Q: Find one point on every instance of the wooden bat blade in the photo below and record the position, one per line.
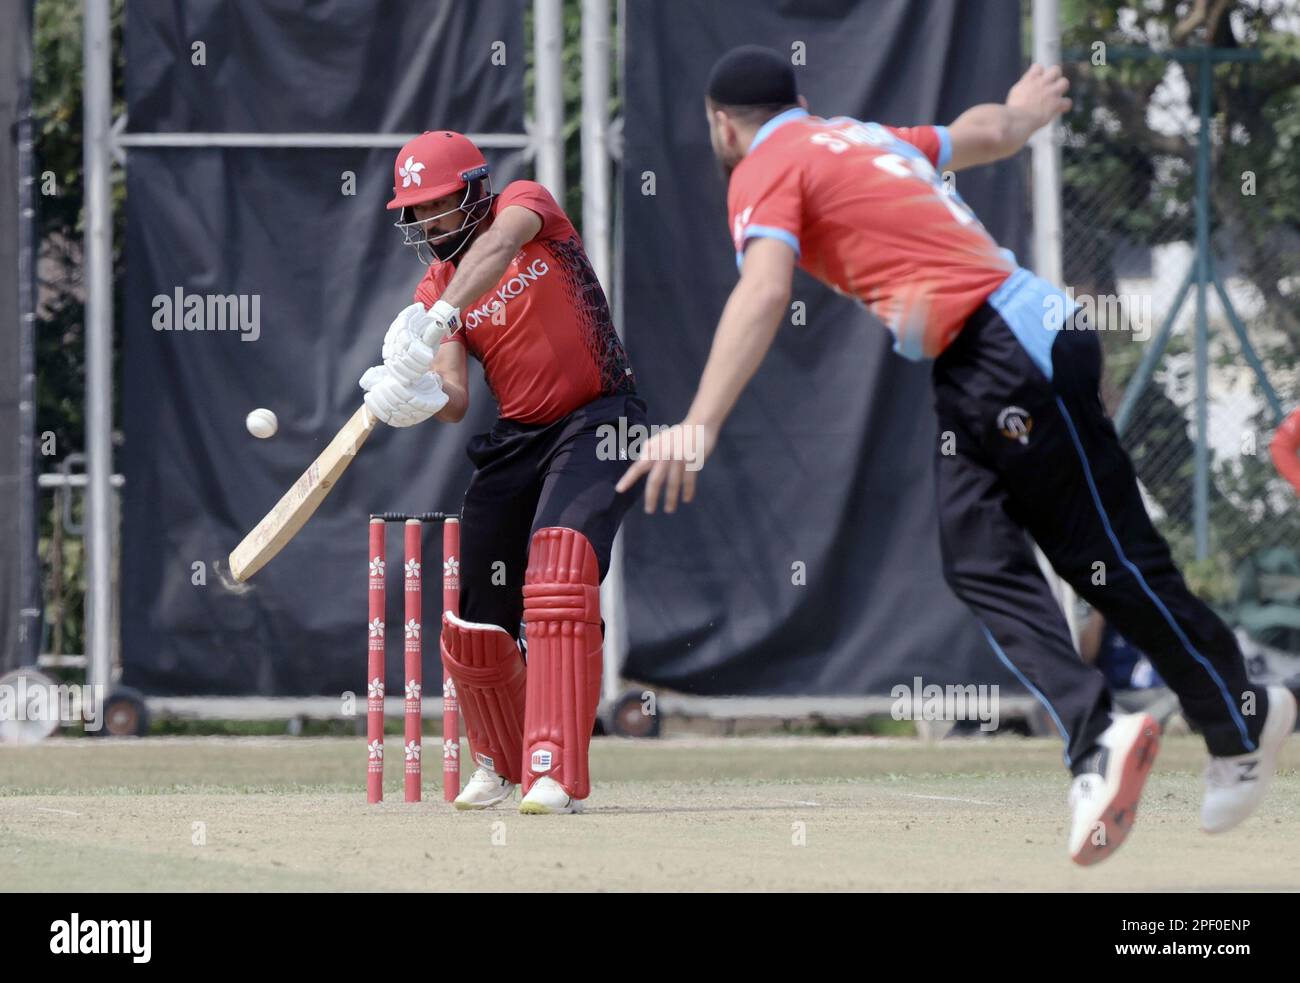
(291, 513)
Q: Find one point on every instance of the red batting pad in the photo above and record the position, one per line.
(484, 663)
(562, 614)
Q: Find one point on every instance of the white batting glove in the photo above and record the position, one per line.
(401, 404)
(413, 338)
(439, 321)
(410, 361)
(372, 377)
(397, 334)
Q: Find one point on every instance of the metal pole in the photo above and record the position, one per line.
(1045, 153)
(1147, 367)
(595, 136)
(1201, 487)
(1248, 349)
(548, 94)
(301, 141)
(596, 237)
(29, 606)
(97, 98)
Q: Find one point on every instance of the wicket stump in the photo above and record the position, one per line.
(412, 632)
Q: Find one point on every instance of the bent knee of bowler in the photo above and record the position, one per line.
(961, 577)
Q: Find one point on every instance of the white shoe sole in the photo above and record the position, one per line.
(538, 807)
(1118, 815)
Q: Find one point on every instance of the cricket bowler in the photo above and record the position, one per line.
(509, 283)
(1016, 374)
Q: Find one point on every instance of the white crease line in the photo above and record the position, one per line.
(61, 812)
(946, 798)
(795, 802)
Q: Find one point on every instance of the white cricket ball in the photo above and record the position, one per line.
(261, 423)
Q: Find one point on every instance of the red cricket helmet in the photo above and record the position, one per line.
(433, 165)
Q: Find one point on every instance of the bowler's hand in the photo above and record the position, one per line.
(1040, 94)
(670, 461)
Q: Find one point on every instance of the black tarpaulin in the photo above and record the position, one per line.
(809, 563)
(277, 229)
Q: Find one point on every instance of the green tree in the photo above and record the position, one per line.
(1128, 168)
(60, 335)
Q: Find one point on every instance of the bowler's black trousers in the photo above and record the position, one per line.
(1023, 454)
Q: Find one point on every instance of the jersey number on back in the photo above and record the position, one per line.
(900, 166)
(853, 133)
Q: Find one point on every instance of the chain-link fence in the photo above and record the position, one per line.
(1189, 253)
(63, 567)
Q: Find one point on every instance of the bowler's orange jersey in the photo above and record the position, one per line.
(866, 211)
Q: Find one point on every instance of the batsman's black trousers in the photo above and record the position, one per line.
(533, 476)
(1024, 455)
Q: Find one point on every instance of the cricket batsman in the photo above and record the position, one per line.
(1016, 373)
(509, 283)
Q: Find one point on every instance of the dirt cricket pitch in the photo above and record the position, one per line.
(747, 814)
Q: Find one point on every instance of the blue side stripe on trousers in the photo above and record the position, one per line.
(1164, 611)
(997, 650)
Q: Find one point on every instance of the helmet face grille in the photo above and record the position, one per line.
(430, 243)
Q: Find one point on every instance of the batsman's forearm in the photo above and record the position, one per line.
(457, 403)
(476, 274)
(745, 333)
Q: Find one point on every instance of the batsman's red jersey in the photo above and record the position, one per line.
(543, 333)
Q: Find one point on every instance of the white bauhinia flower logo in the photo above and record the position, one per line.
(376, 688)
(377, 628)
(410, 172)
(451, 749)
(412, 629)
(450, 567)
(413, 689)
(376, 749)
(412, 570)
(412, 751)
(377, 567)
(449, 689)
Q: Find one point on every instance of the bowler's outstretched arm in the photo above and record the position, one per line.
(993, 131)
(754, 311)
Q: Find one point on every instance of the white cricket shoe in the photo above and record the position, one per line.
(484, 790)
(1235, 785)
(1105, 797)
(548, 798)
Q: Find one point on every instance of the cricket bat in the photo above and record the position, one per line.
(291, 513)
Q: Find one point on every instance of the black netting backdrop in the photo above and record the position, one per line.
(328, 274)
(826, 462)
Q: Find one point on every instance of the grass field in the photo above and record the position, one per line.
(765, 814)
